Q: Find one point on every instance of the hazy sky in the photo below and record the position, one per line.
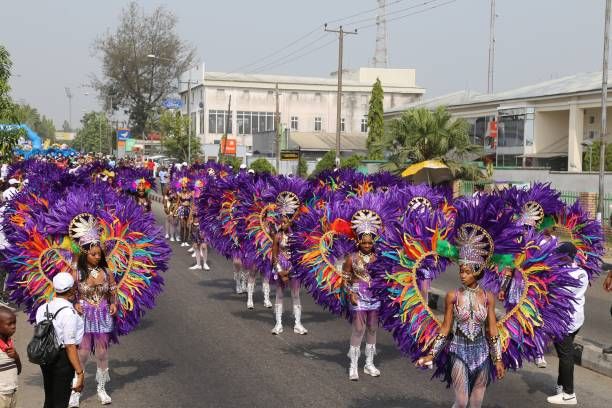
(50, 41)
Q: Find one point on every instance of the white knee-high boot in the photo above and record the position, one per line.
(297, 313)
(265, 286)
(353, 355)
(278, 313)
(250, 290)
(369, 368)
(102, 378)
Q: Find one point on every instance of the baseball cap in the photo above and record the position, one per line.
(62, 282)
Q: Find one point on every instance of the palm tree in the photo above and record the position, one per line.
(422, 134)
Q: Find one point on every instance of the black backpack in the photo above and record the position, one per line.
(44, 348)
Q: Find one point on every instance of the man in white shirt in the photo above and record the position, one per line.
(10, 192)
(69, 327)
(163, 179)
(565, 347)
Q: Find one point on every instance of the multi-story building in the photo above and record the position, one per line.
(307, 105)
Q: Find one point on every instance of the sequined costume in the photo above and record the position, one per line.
(469, 363)
(284, 256)
(95, 301)
(361, 284)
(184, 207)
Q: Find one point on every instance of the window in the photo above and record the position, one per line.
(318, 97)
(342, 125)
(591, 134)
(317, 124)
(202, 121)
(364, 124)
(217, 121)
(591, 119)
(511, 130)
(254, 122)
(294, 123)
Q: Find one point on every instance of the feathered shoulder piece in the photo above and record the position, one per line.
(533, 205)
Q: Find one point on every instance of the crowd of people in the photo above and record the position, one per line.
(364, 247)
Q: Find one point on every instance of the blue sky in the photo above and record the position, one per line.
(50, 41)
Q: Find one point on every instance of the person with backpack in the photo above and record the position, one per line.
(68, 329)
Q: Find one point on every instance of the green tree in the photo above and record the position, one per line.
(174, 128)
(139, 83)
(592, 154)
(94, 134)
(262, 165)
(8, 137)
(352, 162)
(421, 134)
(376, 124)
(42, 125)
(302, 169)
(327, 162)
(233, 161)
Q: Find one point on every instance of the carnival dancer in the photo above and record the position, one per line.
(96, 302)
(475, 348)
(170, 208)
(185, 199)
(142, 194)
(198, 243)
(364, 305)
(288, 204)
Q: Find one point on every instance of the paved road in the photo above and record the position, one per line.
(200, 347)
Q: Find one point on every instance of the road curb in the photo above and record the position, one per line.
(591, 356)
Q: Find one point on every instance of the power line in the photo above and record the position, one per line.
(410, 14)
(362, 13)
(391, 13)
(327, 44)
(316, 40)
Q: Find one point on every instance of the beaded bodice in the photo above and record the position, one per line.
(470, 312)
(359, 264)
(95, 293)
(283, 244)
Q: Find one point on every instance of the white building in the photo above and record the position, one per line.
(548, 124)
(307, 105)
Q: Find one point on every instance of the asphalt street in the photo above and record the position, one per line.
(201, 347)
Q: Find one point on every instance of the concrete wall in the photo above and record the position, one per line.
(551, 131)
(563, 181)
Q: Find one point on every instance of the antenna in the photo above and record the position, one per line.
(381, 58)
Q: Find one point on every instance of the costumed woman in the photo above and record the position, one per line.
(184, 198)
(475, 347)
(96, 301)
(364, 305)
(198, 243)
(288, 204)
(142, 194)
(170, 209)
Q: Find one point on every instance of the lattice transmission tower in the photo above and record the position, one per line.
(381, 56)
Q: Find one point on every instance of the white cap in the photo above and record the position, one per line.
(13, 181)
(251, 171)
(243, 166)
(62, 282)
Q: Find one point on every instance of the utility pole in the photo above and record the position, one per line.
(604, 109)
(228, 118)
(491, 67)
(189, 116)
(341, 34)
(277, 130)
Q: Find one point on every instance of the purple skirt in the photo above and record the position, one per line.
(366, 300)
(97, 318)
(183, 211)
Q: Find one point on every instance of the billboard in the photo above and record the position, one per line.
(228, 146)
(123, 134)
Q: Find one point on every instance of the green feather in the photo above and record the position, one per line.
(504, 260)
(447, 250)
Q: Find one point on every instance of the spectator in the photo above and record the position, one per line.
(4, 171)
(565, 347)
(69, 328)
(10, 364)
(10, 192)
(163, 179)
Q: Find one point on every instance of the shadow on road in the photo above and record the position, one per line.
(401, 402)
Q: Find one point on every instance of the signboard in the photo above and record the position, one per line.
(123, 134)
(288, 155)
(172, 103)
(129, 144)
(121, 144)
(228, 146)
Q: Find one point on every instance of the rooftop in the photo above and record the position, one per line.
(317, 141)
(579, 83)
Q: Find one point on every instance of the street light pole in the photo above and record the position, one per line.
(604, 111)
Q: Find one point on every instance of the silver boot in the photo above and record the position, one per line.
(250, 290)
(278, 313)
(265, 286)
(297, 313)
